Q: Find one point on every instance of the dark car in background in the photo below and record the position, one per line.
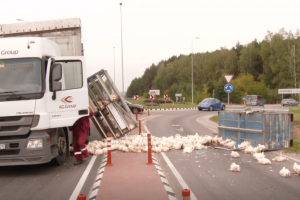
(211, 104)
(135, 108)
(289, 102)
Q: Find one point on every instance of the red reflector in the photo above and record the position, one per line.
(48, 139)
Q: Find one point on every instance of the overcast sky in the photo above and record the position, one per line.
(158, 29)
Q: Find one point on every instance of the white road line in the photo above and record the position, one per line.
(146, 129)
(287, 157)
(175, 172)
(82, 179)
(177, 175)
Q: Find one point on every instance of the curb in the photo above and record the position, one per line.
(96, 186)
(173, 109)
(164, 181)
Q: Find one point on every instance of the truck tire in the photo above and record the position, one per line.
(62, 147)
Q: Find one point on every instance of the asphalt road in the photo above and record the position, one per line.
(206, 172)
(46, 181)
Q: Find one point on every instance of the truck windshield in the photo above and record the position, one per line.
(23, 76)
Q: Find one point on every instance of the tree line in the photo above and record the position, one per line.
(258, 67)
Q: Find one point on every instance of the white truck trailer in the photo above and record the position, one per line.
(43, 90)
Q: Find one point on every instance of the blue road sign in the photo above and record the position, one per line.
(244, 98)
(228, 88)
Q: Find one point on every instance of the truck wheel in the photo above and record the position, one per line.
(61, 147)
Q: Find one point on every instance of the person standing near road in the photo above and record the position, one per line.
(80, 131)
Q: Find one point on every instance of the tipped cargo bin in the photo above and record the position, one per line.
(272, 129)
(112, 115)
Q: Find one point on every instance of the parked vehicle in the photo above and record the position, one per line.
(289, 102)
(135, 108)
(255, 100)
(211, 104)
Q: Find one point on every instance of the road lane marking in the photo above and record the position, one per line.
(83, 178)
(294, 159)
(96, 186)
(177, 175)
(175, 172)
(146, 129)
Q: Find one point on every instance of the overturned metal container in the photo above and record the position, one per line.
(112, 115)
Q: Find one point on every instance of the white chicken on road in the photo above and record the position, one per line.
(234, 154)
(296, 168)
(258, 156)
(285, 172)
(264, 161)
(234, 167)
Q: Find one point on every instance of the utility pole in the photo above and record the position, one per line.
(123, 93)
(193, 72)
(295, 66)
(114, 68)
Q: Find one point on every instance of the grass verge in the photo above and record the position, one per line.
(215, 119)
(295, 148)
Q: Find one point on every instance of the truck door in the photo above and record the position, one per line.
(71, 101)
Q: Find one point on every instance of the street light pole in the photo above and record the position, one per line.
(193, 73)
(114, 68)
(122, 52)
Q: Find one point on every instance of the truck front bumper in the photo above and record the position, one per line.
(16, 153)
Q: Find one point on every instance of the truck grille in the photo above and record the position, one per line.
(14, 145)
(9, 152)
(15, 126)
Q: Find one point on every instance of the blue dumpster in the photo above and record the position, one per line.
(272, 129)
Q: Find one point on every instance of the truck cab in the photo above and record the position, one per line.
(42, 93)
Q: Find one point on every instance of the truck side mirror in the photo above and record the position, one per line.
(56, 75)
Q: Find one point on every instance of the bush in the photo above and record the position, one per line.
(151, 104)
(157, 101)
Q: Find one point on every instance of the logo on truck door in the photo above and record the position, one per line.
(9, 52)
(67, 101)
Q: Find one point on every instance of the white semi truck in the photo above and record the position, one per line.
(44, 90)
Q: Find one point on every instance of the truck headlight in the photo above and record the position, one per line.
(34, 143)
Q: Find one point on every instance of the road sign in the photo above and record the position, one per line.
(136, 97)
(152, 96)
(228, 77)
(289, 91)
(228, 88)
(166, 96)
(244, 98)
(155, 92)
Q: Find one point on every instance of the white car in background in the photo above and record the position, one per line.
(289, 102)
